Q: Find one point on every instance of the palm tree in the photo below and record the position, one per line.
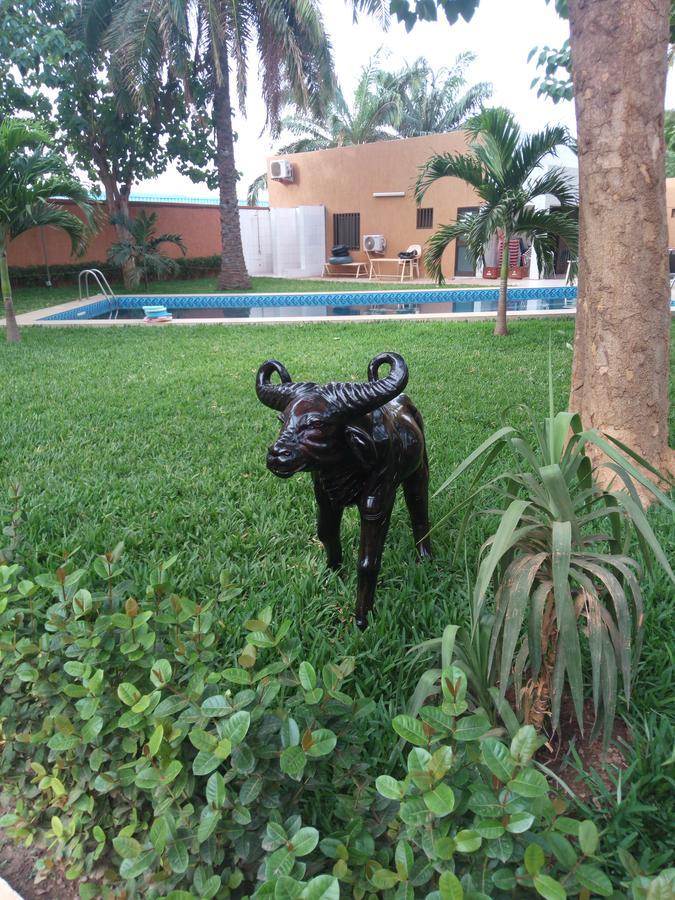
(433, 101)
(142, 247)
(502, 167)
(196, 40)
(369, 117)
(31, 174)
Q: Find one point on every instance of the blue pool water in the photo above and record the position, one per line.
(261, 306)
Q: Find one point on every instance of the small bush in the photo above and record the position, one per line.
(66, 273)
(130, 738)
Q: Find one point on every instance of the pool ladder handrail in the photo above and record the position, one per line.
(103, 285)
(100, 280)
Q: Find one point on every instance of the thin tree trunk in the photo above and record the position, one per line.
(621, 348)
(11, 328)
(117, 201)
(500, 324)
(233, 272)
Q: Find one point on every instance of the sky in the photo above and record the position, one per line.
(501, 34)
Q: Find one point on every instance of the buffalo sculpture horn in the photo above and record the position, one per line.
(359, 441)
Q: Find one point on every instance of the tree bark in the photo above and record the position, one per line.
(117, 201)
(233, 272)
(11, 328)
(622, 341)
(500, 325)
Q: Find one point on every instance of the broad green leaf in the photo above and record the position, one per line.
(178, 856)
(389, 787)
(471, 728)
(439, 721)
(236, 727)
(323, 887)
(588, 837)
(384, 879)
(490, 829)
(497, 758)
(323, 742)
(410, 730)
(524, 744)
(202, 740)
(216, 792)
(404, 859)
(307, 676)
(549, 888)
(414, 812)
(148, 779)
(528, 783)
(440, 800)
(160, 673)
(216, 706)
(534, 858)
(519, 822)
(450, 887)
(155, 741)
(237, 676)
(468, 841)
(290, 733)
(127, 847)
(304, 841)
(205, 763)
(594, 880)
(128, 693)
(208, 823)
(293, 761)
(453, 684)
(280, 863)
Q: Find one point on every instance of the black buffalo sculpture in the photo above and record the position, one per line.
(359, 441)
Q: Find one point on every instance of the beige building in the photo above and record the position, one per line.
(368, 189)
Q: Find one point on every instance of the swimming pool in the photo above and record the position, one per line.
(268, 306)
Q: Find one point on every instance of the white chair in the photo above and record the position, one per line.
(413, 263)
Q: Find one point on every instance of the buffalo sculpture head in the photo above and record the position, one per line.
(316, 420)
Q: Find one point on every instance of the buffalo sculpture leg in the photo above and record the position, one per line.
(416, 492)
(373, 535)
(329, 518)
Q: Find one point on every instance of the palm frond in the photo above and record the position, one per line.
(450, 165)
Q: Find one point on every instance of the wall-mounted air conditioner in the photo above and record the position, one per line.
(374, 243)
(281, 170)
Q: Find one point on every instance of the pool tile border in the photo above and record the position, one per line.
(83, 313)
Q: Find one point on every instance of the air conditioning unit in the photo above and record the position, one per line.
(374, 243)
(281, 170)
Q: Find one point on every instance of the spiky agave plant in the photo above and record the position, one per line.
(560, 565)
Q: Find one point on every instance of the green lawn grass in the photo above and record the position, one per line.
(29, 298)
(155, 437)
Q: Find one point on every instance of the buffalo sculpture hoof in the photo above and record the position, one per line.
(360, 441)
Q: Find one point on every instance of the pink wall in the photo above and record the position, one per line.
(198, 225)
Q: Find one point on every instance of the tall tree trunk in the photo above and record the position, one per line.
(500, 324)
(622, 341)
(233, 272)
(117, 201)
(11, 328)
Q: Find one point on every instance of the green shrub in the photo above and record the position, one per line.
(126, 730)
(129, 737)
(558, 561)
(66, 273)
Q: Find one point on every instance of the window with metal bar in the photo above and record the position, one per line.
(425, 217)
(347, 229)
